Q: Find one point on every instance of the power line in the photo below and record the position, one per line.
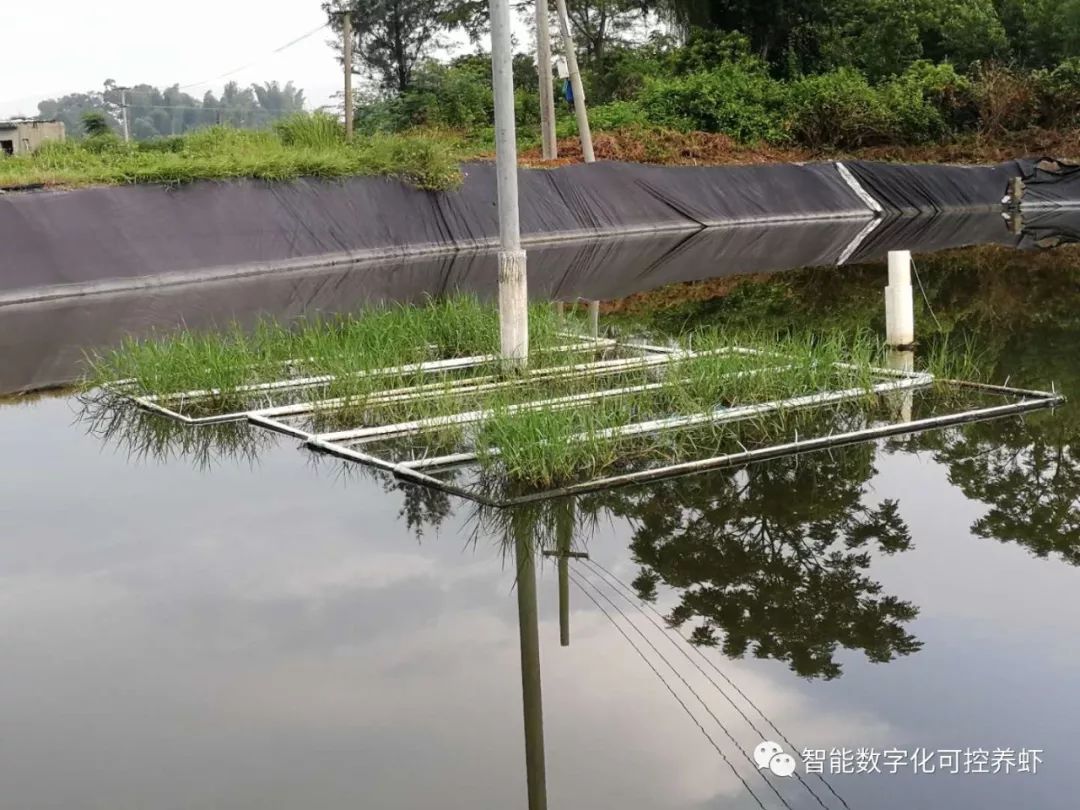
(668, 635)
(674, 694)
(624, 587)
(279, 49)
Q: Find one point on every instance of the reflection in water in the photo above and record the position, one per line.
(773, 560)
(147, 436)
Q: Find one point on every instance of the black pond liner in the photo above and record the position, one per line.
(81, 269)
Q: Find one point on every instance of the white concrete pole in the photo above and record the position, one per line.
(124, 108)
(347, 53)
(575, 83)
(594, 318)
(547, 88)
(899, 301)
(513, 289)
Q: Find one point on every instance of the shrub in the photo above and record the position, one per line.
(425, 161)
(94, 123)
(620, 73)
(928, 102)
(1058, 93)
(1006, 99)
(707, 49)
(318, 130)
(737, 99)
(837, 109)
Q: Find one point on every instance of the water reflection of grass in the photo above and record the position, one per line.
(144, 435)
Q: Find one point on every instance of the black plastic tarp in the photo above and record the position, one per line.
(1050, 183)
(81, 238)
(932, 188)
(42, 344)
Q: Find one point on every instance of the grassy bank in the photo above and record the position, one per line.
(300, 146)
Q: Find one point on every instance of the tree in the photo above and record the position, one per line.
(600, 23)
(392, 36)
(94, 124)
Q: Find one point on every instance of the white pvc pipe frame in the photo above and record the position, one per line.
(152, 402)
(410, 470)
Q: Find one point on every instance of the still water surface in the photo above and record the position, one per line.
(256, 630)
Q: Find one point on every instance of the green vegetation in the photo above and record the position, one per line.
(514, 441)
(156, 113)
(376, 337)
(299, 146)
(716, 84)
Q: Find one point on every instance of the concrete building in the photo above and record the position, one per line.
(21, 135)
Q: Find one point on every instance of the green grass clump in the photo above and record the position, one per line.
(546, 448)
(376, 337)
(514, 441)
(299, 146)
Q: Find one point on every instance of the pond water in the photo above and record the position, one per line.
(235, 624)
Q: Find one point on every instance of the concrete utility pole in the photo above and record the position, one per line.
(513, 289)
(529, 637)
(575, 83)
(124, 109)
(547, 88)
(347, 46)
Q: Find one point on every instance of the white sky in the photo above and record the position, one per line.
(64, 46)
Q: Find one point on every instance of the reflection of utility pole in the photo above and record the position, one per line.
(529, 637)
(547, 90)
(575, 83)
(347, 47)
(564, 536)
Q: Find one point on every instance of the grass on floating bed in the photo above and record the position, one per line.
(346, 347)
(533, 446)
(552, 447)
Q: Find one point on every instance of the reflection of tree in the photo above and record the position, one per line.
(1027, 471)
(772, 560)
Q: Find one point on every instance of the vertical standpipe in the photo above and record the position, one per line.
(899, 301)
(513, 290)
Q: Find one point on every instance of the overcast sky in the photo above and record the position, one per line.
(68, 46)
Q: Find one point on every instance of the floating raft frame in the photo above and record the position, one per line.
(424, 470)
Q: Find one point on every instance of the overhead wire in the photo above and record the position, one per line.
(574, 578)
(619, 587)
(277, 50)
(690, 688)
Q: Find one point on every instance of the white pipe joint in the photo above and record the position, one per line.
(899, 301)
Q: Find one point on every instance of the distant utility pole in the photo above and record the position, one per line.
(124, 111)
(513, 289)
(575, 83)
(547, 90)
(347, 45)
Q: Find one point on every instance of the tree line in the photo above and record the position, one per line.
(154, 112)
(794, 37)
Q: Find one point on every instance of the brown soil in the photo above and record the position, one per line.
(710, 149)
